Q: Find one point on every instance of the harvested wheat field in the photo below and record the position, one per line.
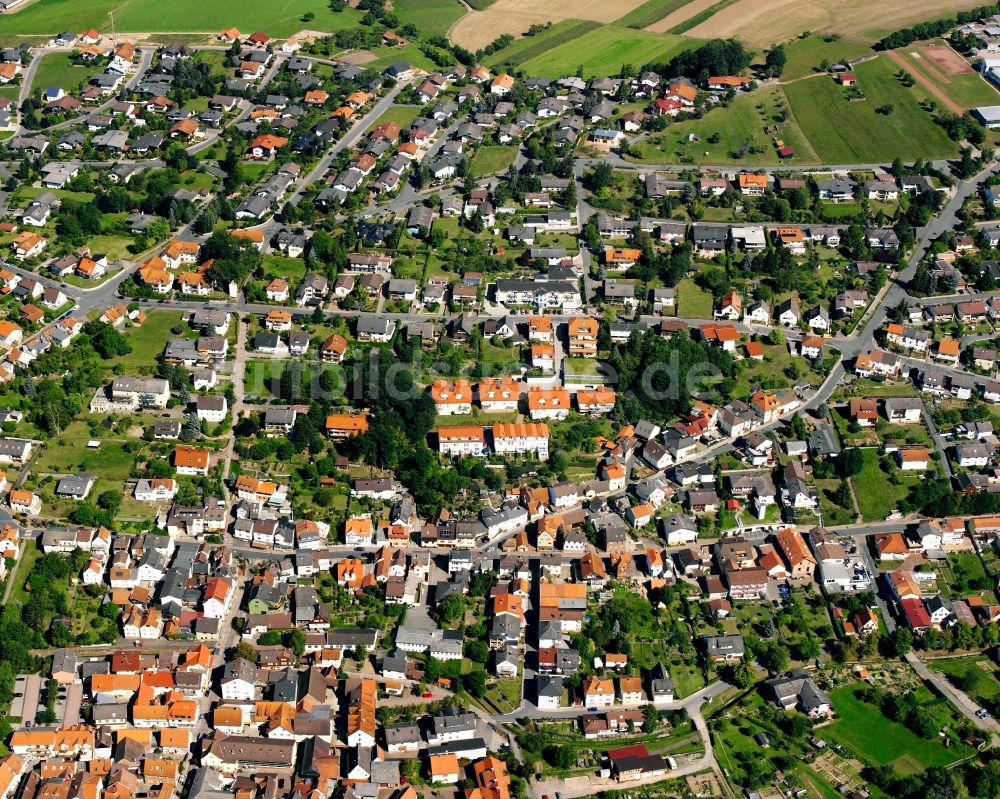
(478, 28)
(681, 15)
(763, 22)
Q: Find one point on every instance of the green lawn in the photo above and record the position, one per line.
(402, 115)
(804, 55)
(55, 69)
(693, 302)
(264, 377)
(491, 159)
(733, 135)
(528, 47)
(649, 12)
(430, 17)
(149, 340)
(289, 268)
(844, 132)
(877, 497)
(864, 729)
(69, 453)
(216, 59)
(967, 576)
(408, 52)
(276, 19)
(976, 676)
(605, 50)
(115, 247)
(23, 196)
(20, 574)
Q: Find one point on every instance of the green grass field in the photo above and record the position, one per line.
(20, 574)
(604, 50)
(149, 340)
(216, 59)
(402, 115)
(289, 268)
(864, 729)
(649, 12)
(976, 676)
(492, 159)
(408, 52)
(24, 194)
(844, 132)
(110, 461)
(805, 54)
(693, 301)
(529, 47)
(877, 497)
(430, 17)
(279, 19)
(55, 69)
(723, 133)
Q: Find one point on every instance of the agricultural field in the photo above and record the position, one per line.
(845, 132)
(680, 15)
(651, 12)
(492, 159)
(45, 17)
(695, 15)
(760, 24)
(735, 135)
(604, 50)
(528, 47)
(478, 28)
(55, 69)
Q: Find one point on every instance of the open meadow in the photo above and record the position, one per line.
(845, 132)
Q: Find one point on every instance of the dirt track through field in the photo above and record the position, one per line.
(926, 82)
